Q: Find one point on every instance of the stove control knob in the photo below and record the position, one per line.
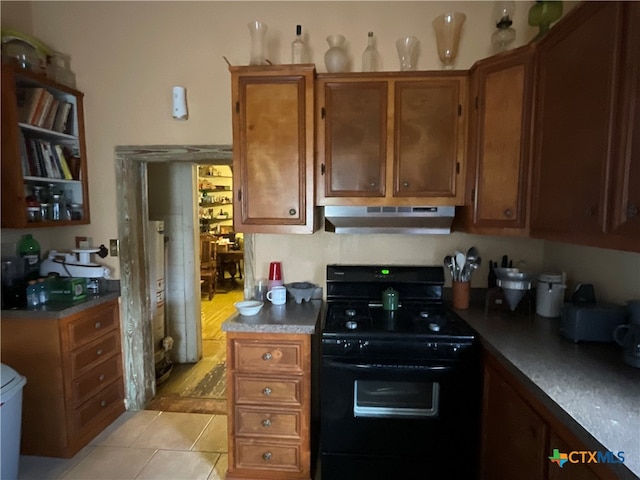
(455, 348)
(432, 346)
(362, 345)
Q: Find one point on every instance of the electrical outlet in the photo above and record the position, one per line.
(114, 247)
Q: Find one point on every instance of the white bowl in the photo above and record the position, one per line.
(248, 307)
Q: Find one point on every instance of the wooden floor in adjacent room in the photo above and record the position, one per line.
(201, 387)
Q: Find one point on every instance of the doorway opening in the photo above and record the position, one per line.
(136, 307)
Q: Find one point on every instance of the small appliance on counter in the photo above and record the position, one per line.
(77, 264)
(585, 320)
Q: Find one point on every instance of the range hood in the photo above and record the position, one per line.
(408, 220)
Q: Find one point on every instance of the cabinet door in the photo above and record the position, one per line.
(352, 139)
(513, 435)
(577, 72)
(273, 149)
(625, 219)
(503, 90)
(428, 137)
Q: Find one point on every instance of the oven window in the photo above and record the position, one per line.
(395, 399)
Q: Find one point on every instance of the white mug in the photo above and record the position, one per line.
(277, 295)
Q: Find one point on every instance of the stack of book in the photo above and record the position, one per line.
(39, 107)
(41, 158)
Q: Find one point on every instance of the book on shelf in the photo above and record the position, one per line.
(58, 151)
(24, 157)
(29, 98)
(51, 114)
(41, 114)
(65, 111)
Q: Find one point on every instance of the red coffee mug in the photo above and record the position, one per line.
(275, 271)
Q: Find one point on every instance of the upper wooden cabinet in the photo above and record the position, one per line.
(500, 100)
(390, 139)
(273, 148)
(44, 158)
(586, 174)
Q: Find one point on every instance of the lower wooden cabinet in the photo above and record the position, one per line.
(73, 367)
(269, 392)
(519, 434)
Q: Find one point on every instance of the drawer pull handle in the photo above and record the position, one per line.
(266, 456)
(103, 403)
(292, 211)
(507, 213)
(98, 325)
(405, 184)
(266, 391)
(266, 423)
(101, 377)
(267, 356)
(99, 352)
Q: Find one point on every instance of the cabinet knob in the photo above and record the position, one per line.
(98, 325)
(266, 391)
(632, 211)
(292, 211)
(99, 352)
(508, 213)
(405, 184)
(372, 184)
(103, 403)
(590, 212)
(267, 356)
(101, 377)
(266, 456)
(266, 423)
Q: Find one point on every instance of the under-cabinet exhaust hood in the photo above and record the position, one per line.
(408, 220)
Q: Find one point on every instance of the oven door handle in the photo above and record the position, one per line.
(436, 368)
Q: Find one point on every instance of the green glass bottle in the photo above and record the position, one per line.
(29, 249)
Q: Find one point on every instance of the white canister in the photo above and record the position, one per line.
(550, 294)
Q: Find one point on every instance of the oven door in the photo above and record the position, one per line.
(376, 413)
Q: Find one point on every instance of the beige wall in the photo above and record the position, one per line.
(128, 55)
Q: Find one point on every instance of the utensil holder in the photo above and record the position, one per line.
(461, 295)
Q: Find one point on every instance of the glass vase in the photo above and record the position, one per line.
(258, 31)
(336, 58)
(448, 27)
(407, 52)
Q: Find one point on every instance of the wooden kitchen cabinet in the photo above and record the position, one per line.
(390, 139)
(502, 88)
(269, 395)
(73, 367)
(519, 434)
(33, 143)
(585, 175)
(273, 148)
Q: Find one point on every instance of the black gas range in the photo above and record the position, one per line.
(400, 388)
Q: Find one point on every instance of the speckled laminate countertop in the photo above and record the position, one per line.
(53, 310)
(303, 318)
(586, 385)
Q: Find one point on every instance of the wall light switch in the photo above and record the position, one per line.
(114, 247)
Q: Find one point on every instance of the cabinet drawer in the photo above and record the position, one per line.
(267, 456)
(96, 379)
(265, 356)
(256, 421)
(268, 391)
(103, 404)
(92, 326)
(96, 352)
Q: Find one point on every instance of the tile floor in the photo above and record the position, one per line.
(147, 444)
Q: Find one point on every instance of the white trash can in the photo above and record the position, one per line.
(11, 383)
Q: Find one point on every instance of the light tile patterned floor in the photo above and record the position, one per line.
(146, 444)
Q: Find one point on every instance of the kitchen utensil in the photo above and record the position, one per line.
(390, 299)
(248, 308)
(449, 263)
(549, 294)
(472, 254)
(460, 260)
(514, 284)
(277, 295)
(301, 290)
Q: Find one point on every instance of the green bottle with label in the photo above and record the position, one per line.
(29, 249)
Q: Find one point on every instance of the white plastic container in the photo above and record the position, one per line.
(550, 294)
(11, 383)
